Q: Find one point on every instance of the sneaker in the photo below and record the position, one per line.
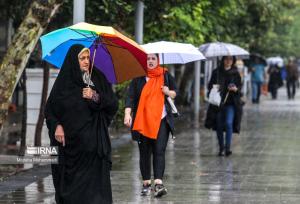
(221, 153)
(159, 190)
(146, 190)
(228, 153)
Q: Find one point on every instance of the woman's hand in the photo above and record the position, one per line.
(127, 117)
(165, 90)
(60, 134)
(87, 93)
(127, 120)
(233, 88)
(168, 92)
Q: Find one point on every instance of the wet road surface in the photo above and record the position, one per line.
(264, 167)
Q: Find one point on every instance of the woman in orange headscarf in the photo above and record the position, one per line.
(149, 115)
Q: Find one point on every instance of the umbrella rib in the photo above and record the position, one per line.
(112, 45)
(114, 69)
(93, 34)
(182, 59)
(105, 48)
(80, 33)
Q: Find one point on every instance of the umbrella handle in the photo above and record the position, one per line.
(93, 60)
(226, 97)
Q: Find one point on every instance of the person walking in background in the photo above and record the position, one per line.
(245, 77)
(292, 78)
(275, 80)
(151, 121)
(227, 117)
(257, 79)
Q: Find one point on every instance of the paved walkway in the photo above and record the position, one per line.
(264, 167)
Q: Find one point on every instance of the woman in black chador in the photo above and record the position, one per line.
(78, 118)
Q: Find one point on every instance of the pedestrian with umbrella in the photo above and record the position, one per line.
(258, 79)
(78, 113)
(275, 80)
(82, 104)
(226, 117)
(149, 115)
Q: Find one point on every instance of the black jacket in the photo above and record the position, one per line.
(133, 97)
(275, 80)
(224, 78)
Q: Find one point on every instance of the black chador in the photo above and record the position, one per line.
(83, 172)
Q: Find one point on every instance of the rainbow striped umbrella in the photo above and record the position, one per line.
(118, 57)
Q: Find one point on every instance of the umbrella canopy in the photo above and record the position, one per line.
(117, 56)
(173, 52)
(275, 61)
(261, 58)
(256, 56)
(220, 49)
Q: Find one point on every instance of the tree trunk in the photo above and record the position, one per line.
(24, 114)
(39, 15)
(40, 122)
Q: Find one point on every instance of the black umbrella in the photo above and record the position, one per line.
(253, 57)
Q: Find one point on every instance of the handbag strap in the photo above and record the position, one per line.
(226, 97)
(167, 78)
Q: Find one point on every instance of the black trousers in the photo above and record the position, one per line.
(291, 88)
(273, 89)
(156, 148)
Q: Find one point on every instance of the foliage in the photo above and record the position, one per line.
(268, 27)
(15, 9)
(263, 26)
(121, 91)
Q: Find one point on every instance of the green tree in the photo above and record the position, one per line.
(38, 16)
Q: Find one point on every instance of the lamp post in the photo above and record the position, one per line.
(197, 91)
(78, 11)
(139, 22)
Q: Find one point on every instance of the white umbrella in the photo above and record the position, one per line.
(220, 49)
(173, 52)
(275, 61)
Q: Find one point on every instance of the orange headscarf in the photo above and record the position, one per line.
(150, 108)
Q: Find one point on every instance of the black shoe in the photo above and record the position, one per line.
(221, 153)
(228, 153)
(146, 190)
(159, 190)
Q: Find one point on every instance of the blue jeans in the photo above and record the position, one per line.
(256, 86)
(225, 122)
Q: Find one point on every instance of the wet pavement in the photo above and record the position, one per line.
(263, 169)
